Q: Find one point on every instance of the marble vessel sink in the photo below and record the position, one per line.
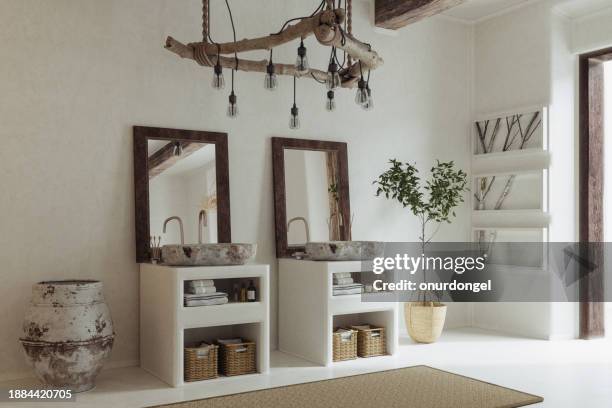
(208, 254)
(344, 250)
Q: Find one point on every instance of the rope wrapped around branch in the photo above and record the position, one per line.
(325, 25)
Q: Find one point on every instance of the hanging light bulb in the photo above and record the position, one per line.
(178, 149)
(294, 119)
(362, 93)
(301, 63)
(333, 77)
(369, 105)
(361, 97)
(270, 80)
(232, 107)
(330, 101)
(218, 82)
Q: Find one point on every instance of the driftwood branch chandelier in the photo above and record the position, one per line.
(330, 23)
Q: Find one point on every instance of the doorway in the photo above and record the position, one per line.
(592, 82)
(607, 67)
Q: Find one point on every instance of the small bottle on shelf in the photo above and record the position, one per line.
(236, 293)
(251, 292)
(243, 293)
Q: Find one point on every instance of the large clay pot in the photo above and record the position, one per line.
(67, 333)
(424, 320)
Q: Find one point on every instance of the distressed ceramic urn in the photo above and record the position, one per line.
(67, 333)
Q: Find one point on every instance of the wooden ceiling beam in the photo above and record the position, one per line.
(395, 14)
(164, 158)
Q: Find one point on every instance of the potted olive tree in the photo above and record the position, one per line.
(433, 204)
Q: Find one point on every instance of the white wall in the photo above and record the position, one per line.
(529, 57)
(512, 71)
(77, 74)
(592, 32)
(511, 60)
(563, 172)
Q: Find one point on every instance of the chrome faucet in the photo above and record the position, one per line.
(202, 222)
(305, 226)
(180, 226)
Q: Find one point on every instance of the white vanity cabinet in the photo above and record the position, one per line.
(166, 325)
(309, 312)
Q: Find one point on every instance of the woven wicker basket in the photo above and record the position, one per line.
(237, 359)
(371, 342)
(345, 349)
(201, 363)
(424, 320)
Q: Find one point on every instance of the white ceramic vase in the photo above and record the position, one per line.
(67, 333)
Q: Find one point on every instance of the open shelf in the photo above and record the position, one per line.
(510, 219)
(248, 331)
(527, 191)
(383, 318)
(231, 287)
(308, 310)
(166, 325)
(511, 162)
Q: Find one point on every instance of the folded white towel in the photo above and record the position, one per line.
(213, 295)
(348, 286)
(353, 291)
(200, 282)
(340, 275)
(206, 302)
(200, 290)
(343, 281)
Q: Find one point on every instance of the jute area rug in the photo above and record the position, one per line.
(412, 387)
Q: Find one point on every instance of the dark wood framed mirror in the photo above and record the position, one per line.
(180, 174)
(311, 188)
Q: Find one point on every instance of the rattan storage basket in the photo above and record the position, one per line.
(237, 359)
(201, 363)
(371, 342)
(344, 348)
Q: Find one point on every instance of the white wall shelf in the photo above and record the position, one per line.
(526, 206)
(166, 325)
(511, 162)
(510, 219)
(308, 311)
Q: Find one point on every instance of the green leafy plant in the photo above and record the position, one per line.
(444, 188)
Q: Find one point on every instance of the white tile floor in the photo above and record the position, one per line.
(566, 373)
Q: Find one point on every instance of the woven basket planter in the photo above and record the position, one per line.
(201, 363)
(344, 348)
(424, 320)
(371, 342)
(237, 359)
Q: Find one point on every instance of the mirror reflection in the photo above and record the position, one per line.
(312, 202)
(182, 191)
